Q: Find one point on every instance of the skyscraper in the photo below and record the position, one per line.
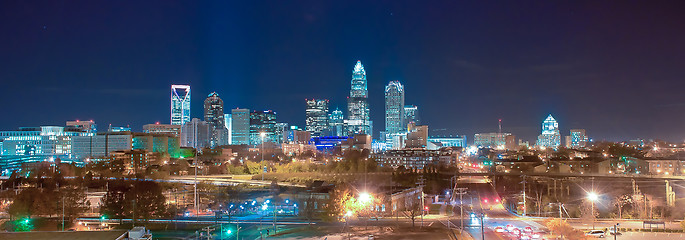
(336, 121)
(180, 104)
(263, 122)
(316, 116)
(550, 136)
(411, 114)
(394, 108)
(357, 103)
(214, 116)
(240, 123)
(196, 134)
(229, 126)
(578, 138)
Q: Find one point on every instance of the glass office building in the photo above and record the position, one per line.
(180, 104)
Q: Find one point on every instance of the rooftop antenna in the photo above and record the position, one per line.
(500, 126)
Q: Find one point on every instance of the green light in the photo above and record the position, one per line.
(229, 231)
(26, 220)
(103, 217)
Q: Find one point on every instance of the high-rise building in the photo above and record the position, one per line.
(228, 120)
(578, 138)
(196, 134)
(491, 140)
(180, 104)
(337, 123)
(281, 135)
(263, 122)
(550, 137)
(357, 103)
(394, 108)
(240, 126)
(214, 116)
(317, 116)
(411, 114)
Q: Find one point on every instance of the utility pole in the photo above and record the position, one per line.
(62, 213)
(524, 195)
(195, 186)
(461, 193)
(482, 232)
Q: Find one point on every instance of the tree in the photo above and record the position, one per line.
(138, 199)
(148, 199)
(415, 209)
(562, 228)
(620, 202)
(74, 201)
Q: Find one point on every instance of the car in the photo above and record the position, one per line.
(528, 230)
(510, 228)
(595, 233)
(499, 229)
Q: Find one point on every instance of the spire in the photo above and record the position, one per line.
(550, 118)
(359, 67)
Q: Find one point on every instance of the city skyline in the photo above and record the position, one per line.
(587, 77)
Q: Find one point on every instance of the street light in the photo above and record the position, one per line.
(262, 135)
(593, 197)
(365, 198)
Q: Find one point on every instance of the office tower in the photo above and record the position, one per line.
(550, 136)
(491, 140)
(337, 123)
(357, 103)
(411, 114)
(240, 123)
(578, 138)
(317, 116)
(281, 134)
(229, 126)
(85, 126)
(214, 116)
(180, 104)
(196, 134)
(394, 108)
(263, 122)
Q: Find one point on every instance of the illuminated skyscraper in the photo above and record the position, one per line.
(411, 114)
(394, 108)
(229, 126)
(214, 116)
(550, 137)
(263, 122)
(240, 126)
(357, 103)
(578, 138)
(180, 104)
(317, 116)
(336, 120)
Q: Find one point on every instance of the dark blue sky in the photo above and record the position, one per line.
(615, 68)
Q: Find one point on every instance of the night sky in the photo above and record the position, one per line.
(615, 68)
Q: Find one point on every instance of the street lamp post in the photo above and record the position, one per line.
(262, 135)
(592, 196)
